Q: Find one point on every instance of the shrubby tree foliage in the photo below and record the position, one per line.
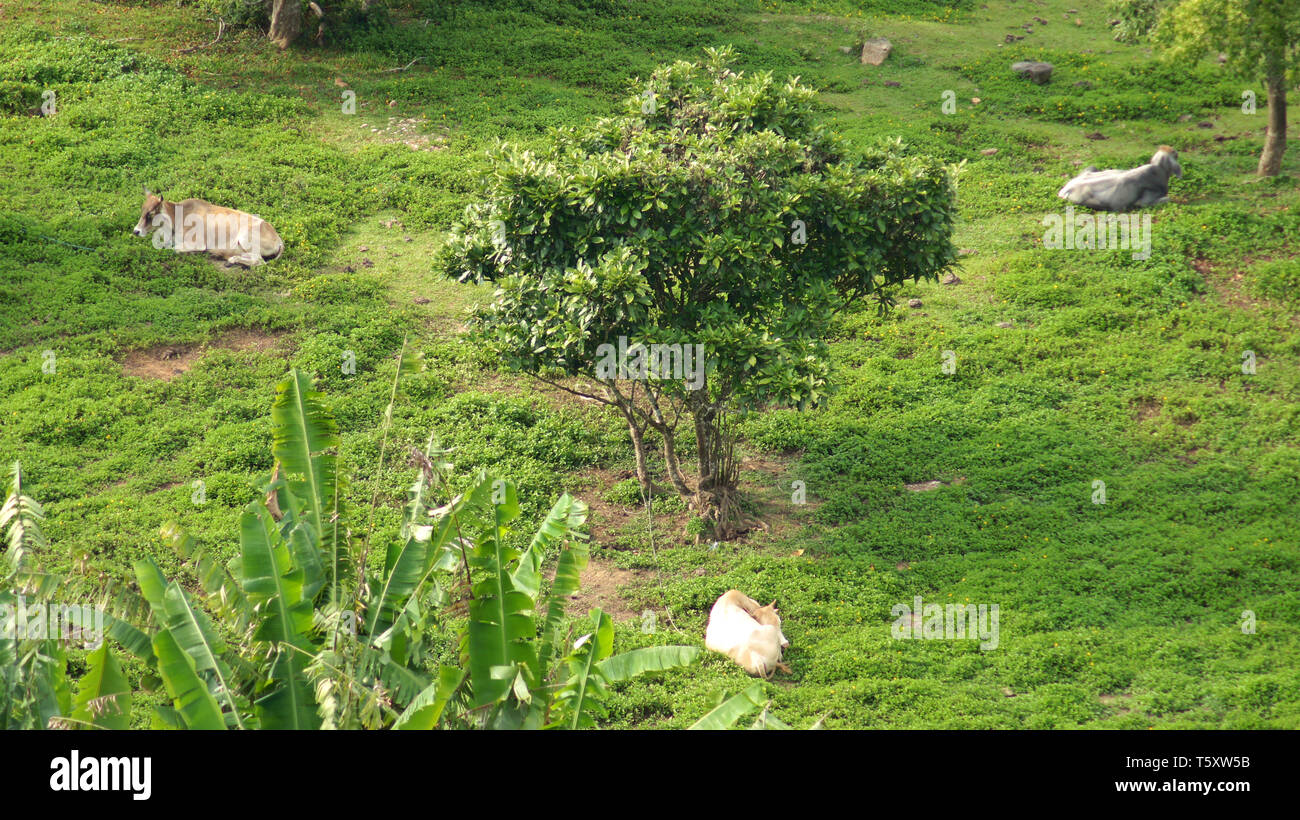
(712, 211)
(1134, 18)
(1261, 39)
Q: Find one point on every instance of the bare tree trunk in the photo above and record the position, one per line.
(674, 466)
(626, 406)
(1270, 162)
(669, 434)
(286, 22)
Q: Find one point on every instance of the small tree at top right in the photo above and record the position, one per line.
(1261, 39)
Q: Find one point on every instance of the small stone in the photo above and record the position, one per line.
(893, 84)
(1039, 72)
(988, 152)
(974, 100)
(914, 303)
(1078, 22)
(1184, 117)
(1205, 125)
(406, 239)
(951, 279)
(846, 49)
(876, 50)
(422, 300)
(1096, 135)
(1006, 690)
(363, 249)
(967, 252)
(1005, 325)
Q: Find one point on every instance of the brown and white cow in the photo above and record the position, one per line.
(196, 226)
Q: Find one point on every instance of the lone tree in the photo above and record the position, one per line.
(1261, 39)
(712, 217)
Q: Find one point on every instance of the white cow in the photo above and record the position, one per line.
(1113, 190)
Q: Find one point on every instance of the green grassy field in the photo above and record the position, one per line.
(1071, 366)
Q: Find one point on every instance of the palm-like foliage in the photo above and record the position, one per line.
(307, 635)
(33, 668)
(322, 640)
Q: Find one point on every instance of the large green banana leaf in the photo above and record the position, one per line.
(196, 705)
(103, 694)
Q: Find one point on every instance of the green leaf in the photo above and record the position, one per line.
(725, 715)
(190, 630)
(274, 588)
(190, 695)
(647, 659)
(425, 710)
(304, 436)
(103, 694)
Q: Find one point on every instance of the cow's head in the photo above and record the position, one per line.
(769, 616)
(1167, 158)
(152, 206)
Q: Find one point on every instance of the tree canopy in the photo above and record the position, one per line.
(713, 211)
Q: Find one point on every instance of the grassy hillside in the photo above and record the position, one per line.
(1071, 366)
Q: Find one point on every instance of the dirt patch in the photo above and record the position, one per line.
(606, 519)
(166, 362)
(1117, 702)
(766, 489)
(1146, 409)
(602, 586)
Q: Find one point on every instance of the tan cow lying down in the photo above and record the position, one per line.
(195, 226)
(747, 633)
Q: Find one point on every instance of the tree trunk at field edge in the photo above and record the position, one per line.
(1270, 162)
(286, 22)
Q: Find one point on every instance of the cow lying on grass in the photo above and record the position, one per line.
(1113, 190)
(747, 633)
(195, 226)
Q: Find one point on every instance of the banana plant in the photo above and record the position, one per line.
(306, 636)
(34, 687)
(517, 676)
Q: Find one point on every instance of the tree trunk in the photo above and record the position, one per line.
(638, 447)
(715, 496)
(674, 466)
(286, 22)
(1270, 162)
